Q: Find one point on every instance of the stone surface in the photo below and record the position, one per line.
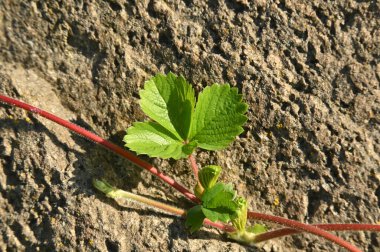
(310, 72)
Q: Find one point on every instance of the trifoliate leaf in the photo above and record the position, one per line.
(208, 175)
(169, 100)
(154, 140)
(220, 196)
(218, 118)
(194, 218)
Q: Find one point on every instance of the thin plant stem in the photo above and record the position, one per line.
(115, 193)
(193, 165)
(97, 139)
(303, 227)
(329, 227)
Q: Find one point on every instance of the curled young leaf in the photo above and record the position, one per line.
(208, 175)
(240, 221)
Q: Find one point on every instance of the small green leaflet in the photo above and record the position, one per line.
(220, 195)
(194, 218)
(217, 214)
(169, 100)
(218, 204)
(181, 124)
(153, 139)
(218, 117)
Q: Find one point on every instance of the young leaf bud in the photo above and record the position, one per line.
(241, 215)
(209, 175)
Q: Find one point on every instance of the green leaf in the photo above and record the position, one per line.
(179, 126)
(170, 101)
(220, 196)
(217, 214)
(154, 140)
(194, 218)
(218, 118)
(188, 148)
(218, 203)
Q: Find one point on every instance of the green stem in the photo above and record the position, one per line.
(115, 193)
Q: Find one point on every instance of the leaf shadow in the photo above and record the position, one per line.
(176, 232)
(96, 161)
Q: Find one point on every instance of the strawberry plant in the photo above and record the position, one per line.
(179, 124)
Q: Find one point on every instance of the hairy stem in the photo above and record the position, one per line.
(329, 227)
(115, 193)
(193, 165)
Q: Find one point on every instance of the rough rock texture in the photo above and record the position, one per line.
(310, 72)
